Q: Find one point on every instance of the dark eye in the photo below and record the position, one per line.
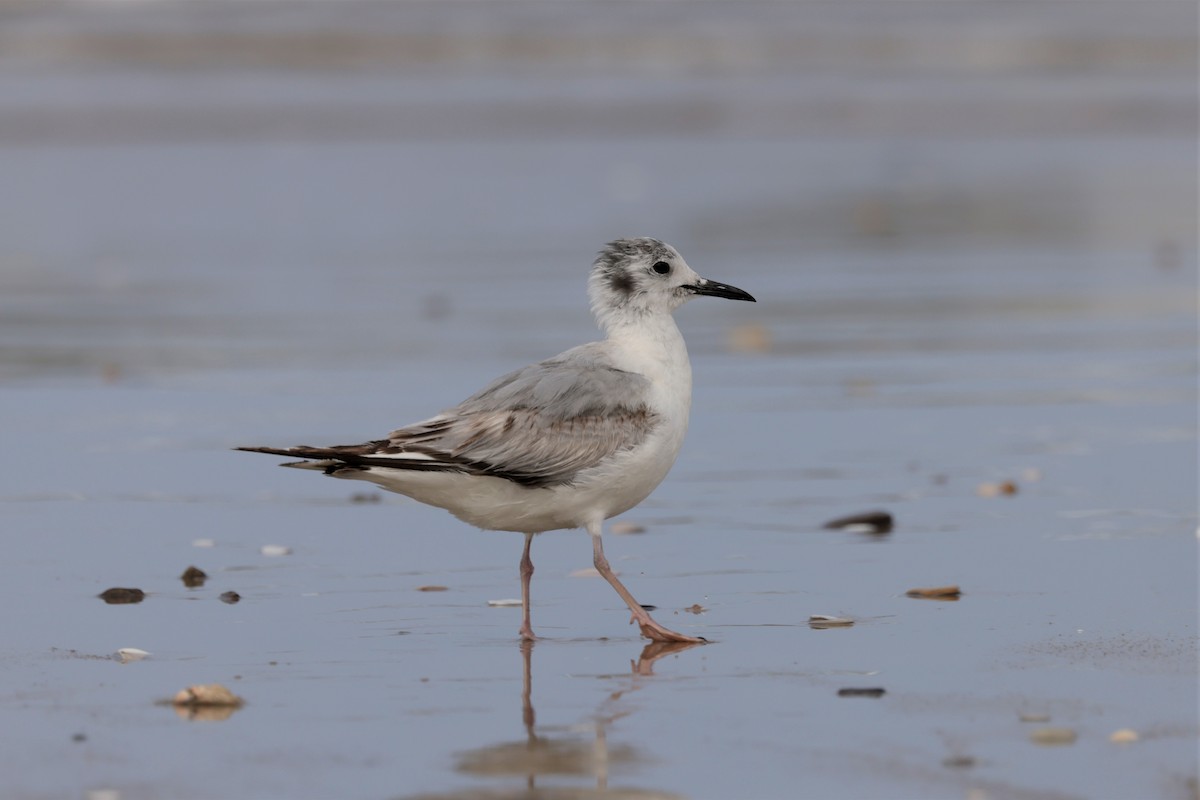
(661, 267)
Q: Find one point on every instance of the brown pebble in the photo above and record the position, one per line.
(1053, 736)
(193, 577)
(1123, 736)
(958, 762)
(936, 593)
(119, 596)
(695, 608)
(1001, 488)
(230, 597)
(432, 588)
(867, 521)
(207, 694)
(750, 338)
(870, 691)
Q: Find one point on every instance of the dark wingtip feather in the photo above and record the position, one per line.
(275, 451)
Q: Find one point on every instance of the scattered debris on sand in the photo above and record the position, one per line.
(865, 522)
(119, 595)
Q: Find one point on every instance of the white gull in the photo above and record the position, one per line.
(565, 443)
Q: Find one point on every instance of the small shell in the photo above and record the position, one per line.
(275, 550)
(193, 577)
(997, 489)
(936, 592)
(207, 694)
(1052, 737)
(866, 522)
(1123, 736)
(750, 338)
(119, 595)
(820, 621)
(507, 602)
(203, 543)
(128, 654)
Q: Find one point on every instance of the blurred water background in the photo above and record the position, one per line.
(971, 226)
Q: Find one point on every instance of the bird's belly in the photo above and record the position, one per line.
(499, 504)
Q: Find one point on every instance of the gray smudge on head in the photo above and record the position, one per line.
(613, 261)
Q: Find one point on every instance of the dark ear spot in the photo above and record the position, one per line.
(621, 282)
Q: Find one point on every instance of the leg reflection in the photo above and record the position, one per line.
(552, 760)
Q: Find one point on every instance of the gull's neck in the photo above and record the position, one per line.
(651, 344)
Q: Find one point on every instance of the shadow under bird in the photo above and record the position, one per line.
(565, 443)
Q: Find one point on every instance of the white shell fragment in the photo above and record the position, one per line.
(506, 602)
(275, 550)
(127, 654)
(203, 543)
(210, 694)
(826, 621)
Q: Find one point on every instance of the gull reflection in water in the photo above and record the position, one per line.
(568, 753)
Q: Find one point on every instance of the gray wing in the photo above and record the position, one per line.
(538, 426)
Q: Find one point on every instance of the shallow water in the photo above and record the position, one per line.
(942, 305)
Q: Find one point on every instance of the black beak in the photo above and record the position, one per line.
(714, 289)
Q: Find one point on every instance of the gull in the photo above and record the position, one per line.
(564, 443)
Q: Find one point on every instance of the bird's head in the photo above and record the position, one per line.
(634, 277)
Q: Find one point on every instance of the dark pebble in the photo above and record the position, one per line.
(230, 597)
(193, 577)
(118, 596)
(79, 737)
(878, 521)
(872, 691)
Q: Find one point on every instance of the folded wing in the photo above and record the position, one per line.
(538, 426)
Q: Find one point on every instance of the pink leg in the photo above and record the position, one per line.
(650, 628)
(526, 574)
